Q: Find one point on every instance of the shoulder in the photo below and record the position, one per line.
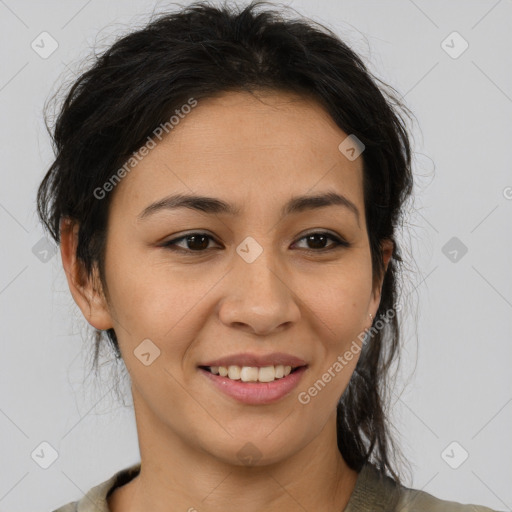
(412, 500)
(95, 500)
(378, 493)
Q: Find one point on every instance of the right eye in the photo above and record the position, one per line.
(196, 242)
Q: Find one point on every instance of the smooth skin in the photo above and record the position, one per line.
(297, 297)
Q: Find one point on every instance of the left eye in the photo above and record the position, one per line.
(198, 242)
(320, 237)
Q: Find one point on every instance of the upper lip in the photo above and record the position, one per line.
(246, 359)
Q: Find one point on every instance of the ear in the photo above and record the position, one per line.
(387, 247)
(87, 291)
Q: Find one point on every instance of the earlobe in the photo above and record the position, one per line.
(86, 290)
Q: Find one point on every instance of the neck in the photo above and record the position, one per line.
(178, 476)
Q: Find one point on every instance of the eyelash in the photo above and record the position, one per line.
(339, 243)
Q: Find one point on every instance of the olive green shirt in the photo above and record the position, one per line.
(372, 493)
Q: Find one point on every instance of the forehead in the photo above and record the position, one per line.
(267, 147)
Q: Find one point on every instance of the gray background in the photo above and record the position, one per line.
(455, 380)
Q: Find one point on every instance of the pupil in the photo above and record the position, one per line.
(194, 239)
(312, 238)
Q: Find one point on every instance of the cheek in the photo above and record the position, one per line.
(339, 308)
(339, 299)
(157, 300)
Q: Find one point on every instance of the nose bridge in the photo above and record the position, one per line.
(260, 296)
(259, 268)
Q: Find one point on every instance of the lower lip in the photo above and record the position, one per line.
(256, 393)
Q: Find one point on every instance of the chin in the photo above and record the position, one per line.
(256, 450)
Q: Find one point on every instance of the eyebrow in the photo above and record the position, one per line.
(213, 205)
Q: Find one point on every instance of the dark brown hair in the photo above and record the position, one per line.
(203, 50)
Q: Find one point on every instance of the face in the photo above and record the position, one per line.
(258, 283)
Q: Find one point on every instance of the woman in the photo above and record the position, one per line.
(257, 357)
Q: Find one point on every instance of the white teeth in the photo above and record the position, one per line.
(252, 373)
(249, 374)
(267, 374)
(234, 372)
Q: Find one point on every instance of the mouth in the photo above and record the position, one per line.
(254, 385)
(252, 373)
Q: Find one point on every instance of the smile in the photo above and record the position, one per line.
(254, 385)
(252, 373)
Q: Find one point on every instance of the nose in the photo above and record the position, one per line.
(259, 296)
